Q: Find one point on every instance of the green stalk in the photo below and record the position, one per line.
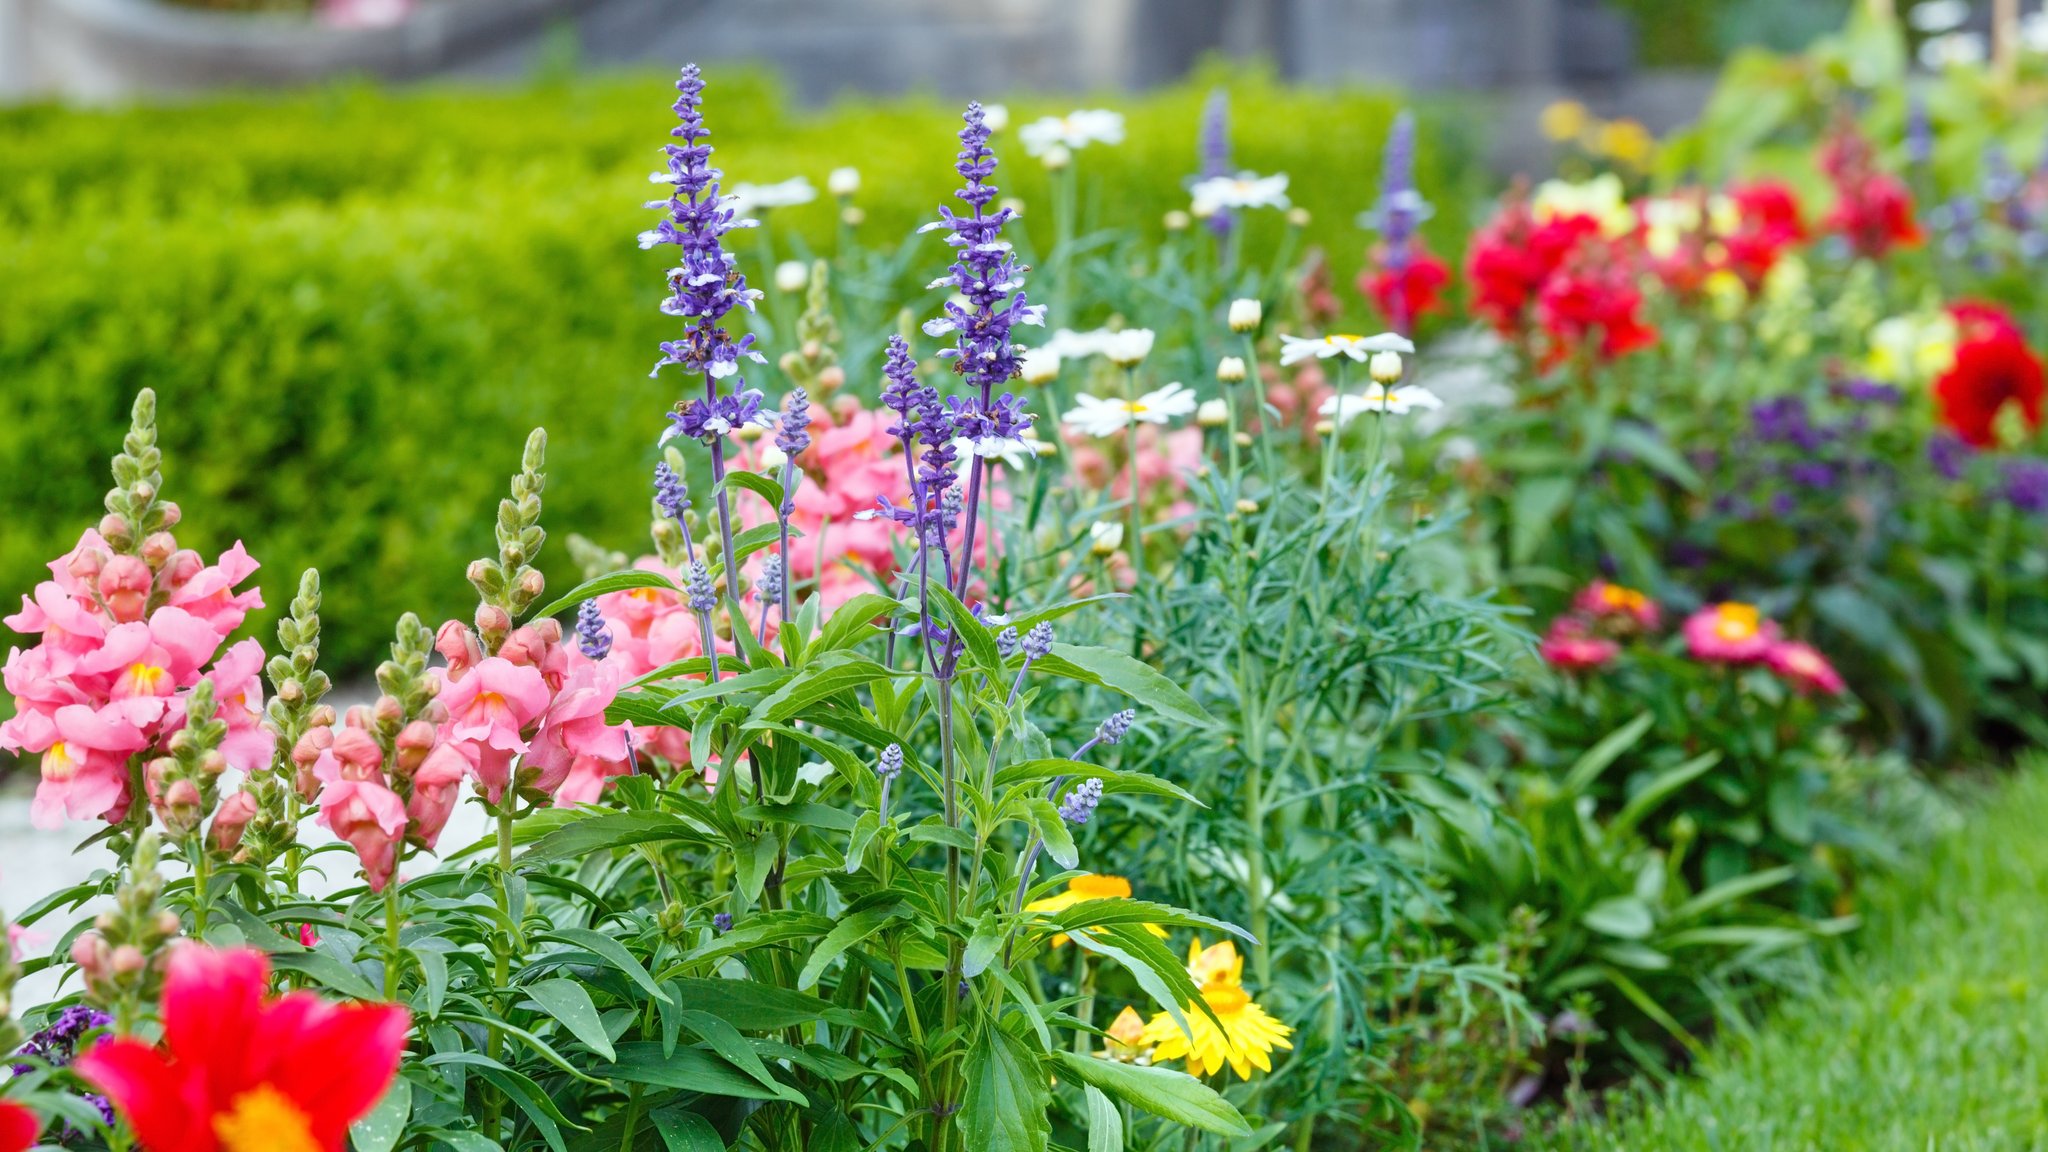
(1137, 519)
(202, 875)
(392, 921)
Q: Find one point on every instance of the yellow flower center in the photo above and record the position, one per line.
(1225, 999)
(1100, 887)
(648, 595)
(1735, 621)
(149, 679)
(1345, 338)
(58, 763)
(263, 1120)
(1624, 599)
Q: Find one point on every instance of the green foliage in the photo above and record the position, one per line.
(352, 299)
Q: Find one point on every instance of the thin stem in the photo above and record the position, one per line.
(392, 922)
(1136, 514)
(202, 875)
(732, 568)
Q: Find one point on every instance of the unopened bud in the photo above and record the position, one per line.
(171, 513)
(389, 713)
(1246, 314)
(1247, 507)
(159, 547)
(1177, 221)
(1297, 218)
(1230, 370)
(127, 960)
(1386, 367)
(830, 379)
(1325, 427)
(1212, 414)
(1243, 439)
(492, 620)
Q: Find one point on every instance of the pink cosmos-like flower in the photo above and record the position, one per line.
(1730, 633)
(1570, 645)
(1803, 667)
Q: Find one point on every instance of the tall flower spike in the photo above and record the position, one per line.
(697, 584)
(1079, 804)
(1401, 209)
(671, 495)
(593, 635)
(706, 284)
(1038, 644)
(1113, 729)
(1215, 149)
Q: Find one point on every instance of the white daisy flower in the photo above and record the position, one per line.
(1244, 190)
(1094, 416)
(1067, 344)
(1012, 453)
(1074, 131)
(1396, 401)
(745, 198)
(995, 117)
(1040, 366)
(843, 182)
(792, 276)
(1295, 349)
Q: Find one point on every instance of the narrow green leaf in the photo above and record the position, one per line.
(850, 931)
(570, 1005)
(609, 582)
(1164, 1092)
(1009, 1096)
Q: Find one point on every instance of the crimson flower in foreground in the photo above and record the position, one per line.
(239, 1071)
(1993, 368)
(18, 1127)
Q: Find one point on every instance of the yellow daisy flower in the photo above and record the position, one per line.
(1245, 1040)
(1083, 888)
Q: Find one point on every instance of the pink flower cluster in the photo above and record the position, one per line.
(125, 636)
(1589, 637)
(528, 719)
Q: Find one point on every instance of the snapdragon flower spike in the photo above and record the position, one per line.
(593, 635)
(706, 285)
(1080, 804)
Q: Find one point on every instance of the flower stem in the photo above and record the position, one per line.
(1137, 517)
(392, 922)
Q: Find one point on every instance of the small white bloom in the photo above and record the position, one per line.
(1175, 220)
(1040, 366)
(1230, 370)
(1068, 344)
(1385, 367)
(1074, 131)
(995, 117)
(1105, 537)
(1246, 314)
(772, 458)
(1393, 401)
(1297, 218)
(792, 276)
(1094, 416)
(1244, 190)
(1938, 15)
(1128, 348)
(1012, 452)
(1057, 157)
(745, 198)
(843, 182)
(1213, 414)
(1952, 50)
(1294, 349)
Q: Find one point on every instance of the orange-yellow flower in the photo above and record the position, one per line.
(1246, 1036)
(1083, 888)
(1127, 1038)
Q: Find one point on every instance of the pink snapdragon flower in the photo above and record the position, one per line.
(1730, 633)
(358, 807)
(494, 702)
(1602, 600)
(575, 744)
(1802, 666)
(1571, 646)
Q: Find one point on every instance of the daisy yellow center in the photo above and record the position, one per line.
(1626, 599)
(1100, 887)
(149, 679)
(264, 1120)
(58, 763)
(1345, 338)
(1735, 621)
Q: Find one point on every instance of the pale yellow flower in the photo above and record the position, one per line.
(1083, 888)
(1602, 198)
(1564, 120)
(1913, 347)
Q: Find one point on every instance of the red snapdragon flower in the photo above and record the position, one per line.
(1511, 258)
(1407, 291)
(1873, 208)
(1768, 222)
(239, 1071)
(1993, 368)
(1592, 306)
(18, 1127)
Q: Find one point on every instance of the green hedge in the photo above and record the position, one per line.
(353, 302)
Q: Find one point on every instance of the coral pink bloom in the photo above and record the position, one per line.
(1571, 645)
(435, 789)
(209, 594)
(575, 727)
(238, 695)
(1805, 668)
(366, 814)
(241, 1072)
(587, 778)
(18, 1127)
(1603, 600)
(230, 821)
(85, 765)
(1730, 633)
(494, 702)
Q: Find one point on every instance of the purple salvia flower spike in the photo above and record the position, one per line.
(593, 635)
(1215, 151)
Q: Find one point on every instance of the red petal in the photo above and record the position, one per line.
(341, 1063)
(213, 1002)
(18, 1127)
(167, 1108)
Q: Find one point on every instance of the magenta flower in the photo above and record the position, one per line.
(1571, 646)
(1730, 633)
(1803, 667)
(1604, 601)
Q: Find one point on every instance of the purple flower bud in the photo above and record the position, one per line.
(697, 584)
(1006, 643)
(794, 433)
(1113, 729)
(721, 923)
(890, 763)
(2024, 485)
(769, 586)
(593, 635)
(670, 493)
(1038, 643)
(1215, 150)
(1080, 803)
(1948, 455)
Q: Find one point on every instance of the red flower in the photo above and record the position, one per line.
(239, 1072)
(1593, 306)
(1768, 222)
(1873, 209)
(1571, 646)
(1993, 368)
(1509, 260)
(18, 1127)
(1407, 293)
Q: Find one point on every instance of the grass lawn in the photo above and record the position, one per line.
(1932, 1037)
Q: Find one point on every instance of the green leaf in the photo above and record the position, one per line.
(1623, 917)
(685, 1131)
(853, 622)
(823, 678)
(824, 816)
(981, 947)
(570, 1005)
(1652, 450)
(1123, 673)
(1105, 1121)
(752, 865)
(331, 974)
(1113, 780)
(754, 539)
(611, 952)
(747, 1005)
(1658, 790)
(727, 1042)
(1537, 502)
(380, 1129)
(609, 582)
(974, 635)
(1059, 842)
(1163, 1092)
(1008, 1098)
(688, 1069)
(767, 489)
(849, 931)
(609, 830)
(1600, 756)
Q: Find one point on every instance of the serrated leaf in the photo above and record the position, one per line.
(1009, 1097)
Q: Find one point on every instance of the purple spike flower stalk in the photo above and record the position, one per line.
(1215, 153)
(704, 288)
(792, 437)
(672, 496)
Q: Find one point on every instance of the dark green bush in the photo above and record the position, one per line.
(354, 303)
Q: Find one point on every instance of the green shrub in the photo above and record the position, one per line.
(356, 302)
